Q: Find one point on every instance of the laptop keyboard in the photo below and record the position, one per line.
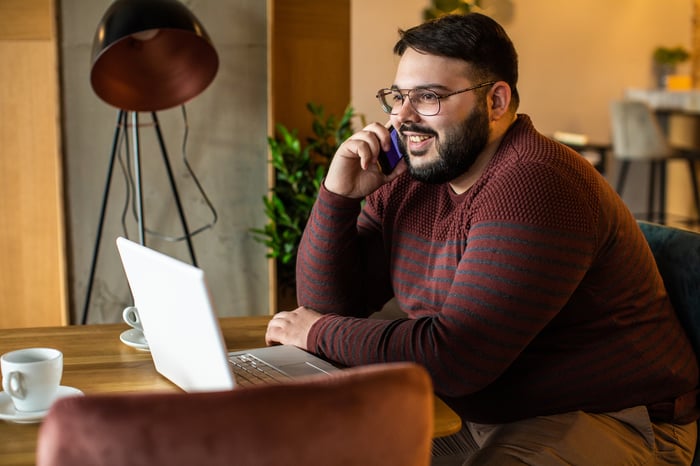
(250, 370)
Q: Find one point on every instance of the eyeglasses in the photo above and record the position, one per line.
(423, 101)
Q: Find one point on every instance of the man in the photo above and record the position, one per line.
(531, 294)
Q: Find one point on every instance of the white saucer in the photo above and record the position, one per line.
(134, 338)
(10, 414)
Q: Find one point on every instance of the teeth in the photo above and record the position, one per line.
(418, 138)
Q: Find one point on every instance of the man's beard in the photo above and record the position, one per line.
(459, 150)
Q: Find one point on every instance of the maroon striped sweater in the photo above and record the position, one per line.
(532, 293)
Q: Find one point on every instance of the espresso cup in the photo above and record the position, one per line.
(31, 377)
(131, 317)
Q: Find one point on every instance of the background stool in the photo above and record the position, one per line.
(637, 136)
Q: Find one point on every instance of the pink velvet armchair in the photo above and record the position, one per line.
(372, 415)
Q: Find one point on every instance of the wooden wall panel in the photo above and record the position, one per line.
(32, 256)
(310, 48)
(695, 48)
(26, 19)
(309, 61)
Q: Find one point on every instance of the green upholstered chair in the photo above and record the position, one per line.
(677, 254)
(372, 415)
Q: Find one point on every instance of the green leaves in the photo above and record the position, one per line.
(299, 171)
(444, 7)
(670, 55)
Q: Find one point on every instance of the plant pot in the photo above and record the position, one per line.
(661, 72)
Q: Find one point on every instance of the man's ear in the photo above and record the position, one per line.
(499, 97)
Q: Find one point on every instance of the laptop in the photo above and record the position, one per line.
(182, 328)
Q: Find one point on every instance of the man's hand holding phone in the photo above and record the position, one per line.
(365, 161)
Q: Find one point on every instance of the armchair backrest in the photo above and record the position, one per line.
(677, 254)
(372, 415)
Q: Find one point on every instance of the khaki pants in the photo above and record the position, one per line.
(625, 437)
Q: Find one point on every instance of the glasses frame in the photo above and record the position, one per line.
(381, 93)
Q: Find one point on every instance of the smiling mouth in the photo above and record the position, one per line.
(418, 144)
(418, 139)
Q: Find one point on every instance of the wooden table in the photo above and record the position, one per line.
(96, 361)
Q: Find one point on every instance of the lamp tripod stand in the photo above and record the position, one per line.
(147, 56)
(119, 133)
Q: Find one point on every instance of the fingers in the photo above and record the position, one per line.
(354, 171)
(363, 145)
(275, 330)
(292, 327)
(366, 144)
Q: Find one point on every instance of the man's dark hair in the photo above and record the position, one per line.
(474, 38)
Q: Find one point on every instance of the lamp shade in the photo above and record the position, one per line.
(150, 55)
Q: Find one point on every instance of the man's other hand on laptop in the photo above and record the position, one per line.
(291, 327)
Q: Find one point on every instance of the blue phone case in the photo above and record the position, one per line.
(388, 160)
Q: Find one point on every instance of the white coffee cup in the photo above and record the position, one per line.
(131, 317)
(31, 377)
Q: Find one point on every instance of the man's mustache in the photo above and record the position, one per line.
(416, 129)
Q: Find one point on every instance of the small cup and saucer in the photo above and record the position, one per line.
(31, 382)
(133, 337)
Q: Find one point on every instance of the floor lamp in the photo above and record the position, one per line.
(147, 56)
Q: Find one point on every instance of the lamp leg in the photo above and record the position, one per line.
(622, 176)
(651, 195)
(121, 120)
(138, 181)
(173, 186)
(662, 193)
(696, 192)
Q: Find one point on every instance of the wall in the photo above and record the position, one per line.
(32, 264)
(575, 57)
(226, 147)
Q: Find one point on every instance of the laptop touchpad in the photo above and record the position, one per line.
(301, 368)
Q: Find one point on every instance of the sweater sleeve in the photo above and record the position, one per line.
(341, 269)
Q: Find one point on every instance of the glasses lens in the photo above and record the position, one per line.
(390, 100)
(425, 102)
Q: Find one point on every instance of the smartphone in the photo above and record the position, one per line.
(388, 160)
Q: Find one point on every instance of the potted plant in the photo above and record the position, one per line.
(443, 7)
(299, 170)
(666, 60)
